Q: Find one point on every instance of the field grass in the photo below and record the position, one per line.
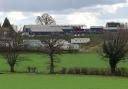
(31, 81)
(85, 60)
(42, 81)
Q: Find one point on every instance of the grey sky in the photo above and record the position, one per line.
(44, 5)
(88, 12)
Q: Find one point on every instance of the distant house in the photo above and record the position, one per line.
(32, 44)
(112, 26)
(6, 33)
(96, 29)
(110, 29)
(69, 46)
(7, 30)
(72, 47)
(80, 40)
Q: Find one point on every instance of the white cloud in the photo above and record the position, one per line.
(103, 8)
(91, 15)
(111, 8)
(1, 13)
(82, 18)
(37, 14)
(15, 16)
(123, 20)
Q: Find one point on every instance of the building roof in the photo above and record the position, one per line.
(111, 28)
(43, 28)
(96, 27)
(113, 24)
(68, 26)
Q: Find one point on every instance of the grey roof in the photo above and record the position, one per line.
(68, 26)
(96, 27)
(111, 28)
(43, 28)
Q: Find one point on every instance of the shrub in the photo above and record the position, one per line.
(94, 71)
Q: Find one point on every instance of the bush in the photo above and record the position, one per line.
(32, 69)
(93, 71)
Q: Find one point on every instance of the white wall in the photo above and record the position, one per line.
(80, 40)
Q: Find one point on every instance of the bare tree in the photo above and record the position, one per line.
(10, 43)
(11, 50)
(45, 19)
(53, 46)
(115, 47)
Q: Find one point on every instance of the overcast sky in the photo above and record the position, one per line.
(88, 12)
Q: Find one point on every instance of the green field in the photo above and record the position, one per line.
(43, 81)
(85, 60)
(31, 81)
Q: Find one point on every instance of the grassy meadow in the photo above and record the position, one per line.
(40, 61)
(31, 81)
(47, 81)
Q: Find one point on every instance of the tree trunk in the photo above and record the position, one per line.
(12, 69)
(51, 64)
(113, 67)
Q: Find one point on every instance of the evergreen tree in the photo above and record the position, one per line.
(9, 29)
(7, 24)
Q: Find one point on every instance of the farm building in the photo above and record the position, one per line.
(37, 30)
(112, 26)
(96, 29)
